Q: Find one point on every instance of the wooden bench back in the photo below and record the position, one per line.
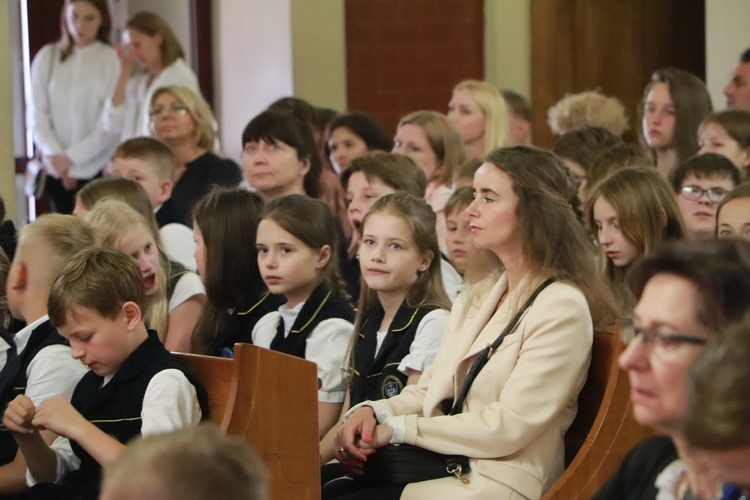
(269, 399)
(604, 429)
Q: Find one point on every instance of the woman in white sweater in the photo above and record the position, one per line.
(71, 80)
(151, 44)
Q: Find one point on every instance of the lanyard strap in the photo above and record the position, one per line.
(484, 354)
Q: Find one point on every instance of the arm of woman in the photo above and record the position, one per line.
(182, 321)
(544, 378)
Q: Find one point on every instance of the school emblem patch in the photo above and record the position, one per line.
(391, 386)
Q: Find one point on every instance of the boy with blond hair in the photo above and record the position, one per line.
(134, 385)
(37, 361)
(196, 464)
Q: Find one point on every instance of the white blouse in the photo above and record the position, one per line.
(67, 102)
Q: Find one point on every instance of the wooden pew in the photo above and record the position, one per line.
(604, 429)
(269, 399)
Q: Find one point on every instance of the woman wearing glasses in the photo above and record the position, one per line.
(701, 183)
(687, 293)
(631, 212)
(182, 119)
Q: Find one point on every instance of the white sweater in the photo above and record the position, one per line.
(67, 102)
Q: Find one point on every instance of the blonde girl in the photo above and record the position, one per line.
(297, 246)
(431, 140)
(175, 298)
(402, 305)
(480, 113)
(631, 212)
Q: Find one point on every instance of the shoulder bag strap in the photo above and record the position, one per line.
(485, 354)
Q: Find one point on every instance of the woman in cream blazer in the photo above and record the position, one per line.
(525, 398)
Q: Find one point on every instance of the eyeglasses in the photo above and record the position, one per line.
(177, 109)
(655, 337)
(695, 193)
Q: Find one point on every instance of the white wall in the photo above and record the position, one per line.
(727, 36)
(252, 63)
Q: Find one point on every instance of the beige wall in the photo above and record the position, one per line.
(318, 49)
(7, 158)
(727, 36)
(507, 44)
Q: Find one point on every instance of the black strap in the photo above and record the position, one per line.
(484, 354)
(12, 362)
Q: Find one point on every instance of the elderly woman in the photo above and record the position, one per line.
(516, 412)
(686, 294)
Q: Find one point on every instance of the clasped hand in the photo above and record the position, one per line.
(58, 415)
(358, 438)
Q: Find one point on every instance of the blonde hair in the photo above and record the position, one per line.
(200, 111)
(647, 213)
(444, 140)
(154, 153)
(589, 108)
(198, 463)
(110, 219)
(121, 189)
(495, 110)
(51, 241)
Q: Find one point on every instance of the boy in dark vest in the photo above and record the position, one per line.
(36, 361)
(134, 386)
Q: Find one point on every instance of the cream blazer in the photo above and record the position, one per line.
(519, 406)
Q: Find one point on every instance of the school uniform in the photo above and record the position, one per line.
(41, 367)
(381, 359)
(241, 321)
(150, 393)
(167, 213)
(319, 330)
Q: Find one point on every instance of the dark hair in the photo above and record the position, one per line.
(517, 104)
(553, 242)
(363, 126)
(692, 104)
(66, 40)
(583, 145)
(102, 279)
(739, 192)
(703, 166)
(273, 126)
(228, 221)
(398, 171)
(720, 269)
(152, 24)
(312, 222)
(298, 107)
(745, 56)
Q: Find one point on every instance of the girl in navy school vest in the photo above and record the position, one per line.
(402, 306)
(297, 243)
